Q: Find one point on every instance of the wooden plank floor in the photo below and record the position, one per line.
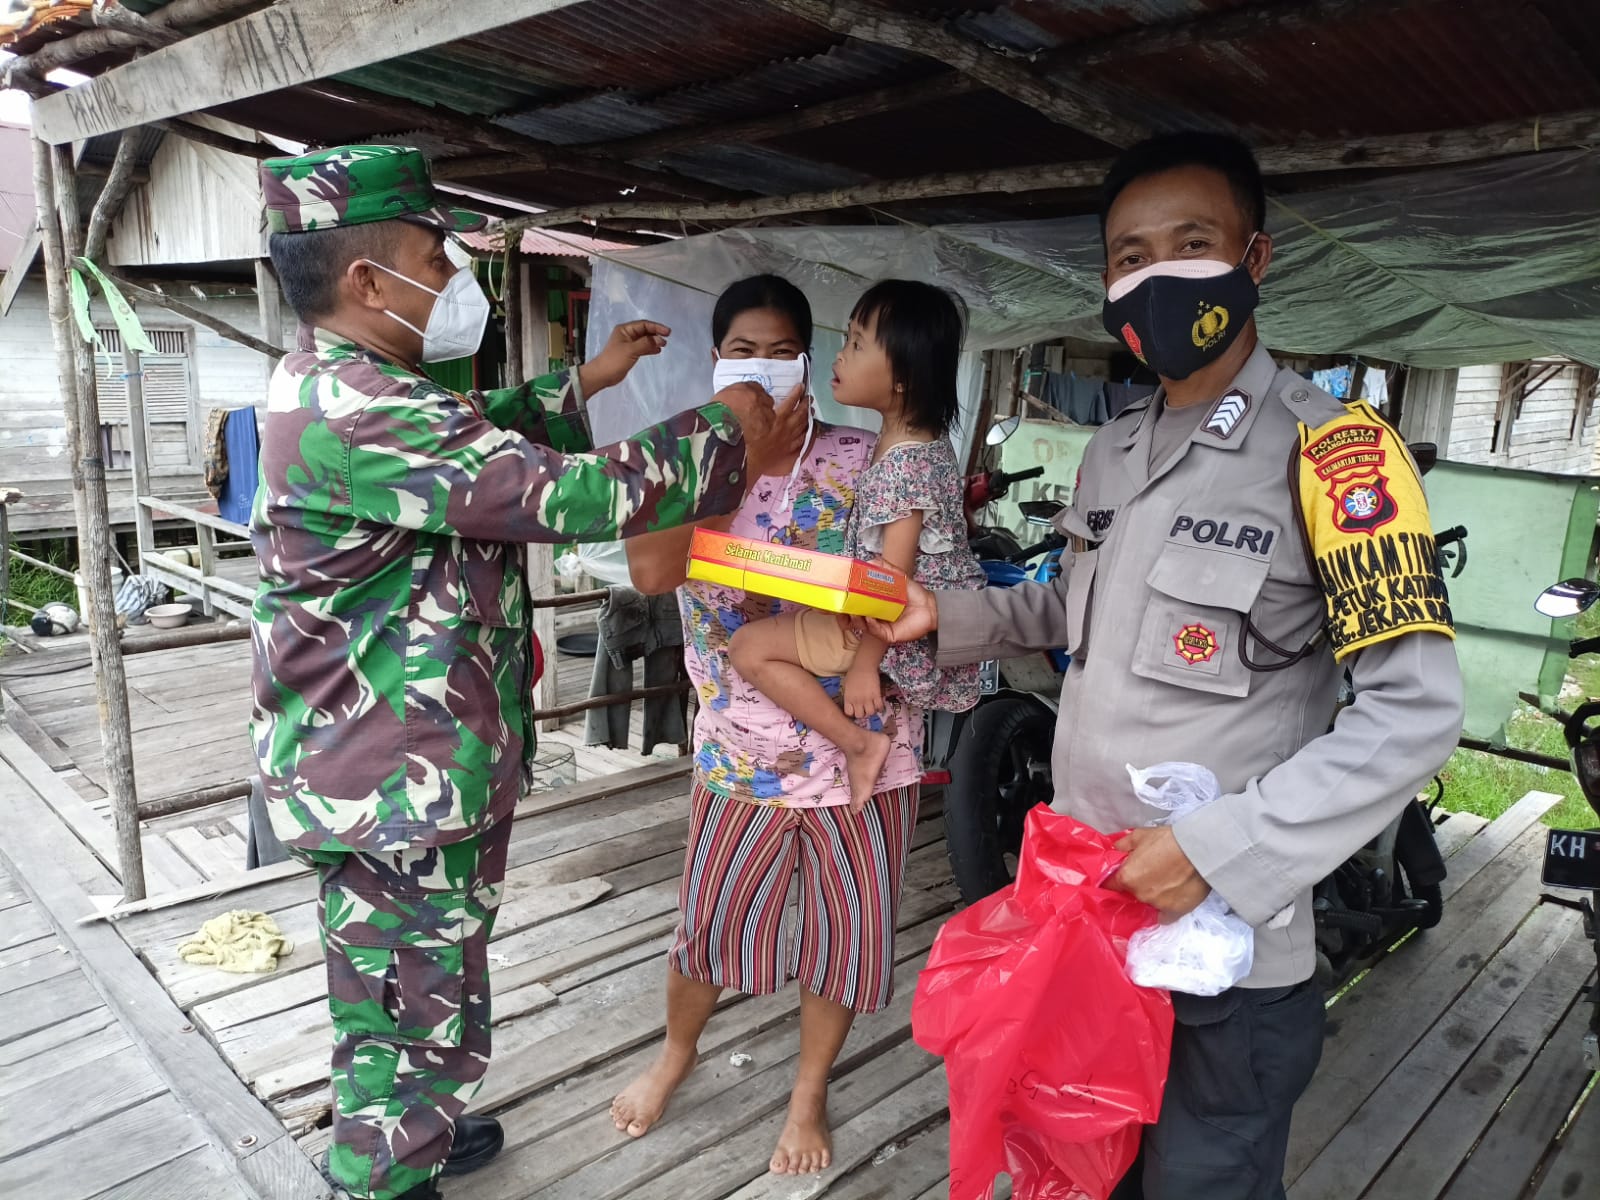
(1452, 1070)
(190, 711)
(83, 1113)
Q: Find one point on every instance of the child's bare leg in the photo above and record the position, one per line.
(766, 653)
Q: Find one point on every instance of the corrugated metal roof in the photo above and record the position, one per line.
(1403, 72)
(546, 242)
(610, 69)
(760, 89)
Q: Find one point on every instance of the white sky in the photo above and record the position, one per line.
(14, 106)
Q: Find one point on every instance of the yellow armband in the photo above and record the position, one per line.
(1367, 529)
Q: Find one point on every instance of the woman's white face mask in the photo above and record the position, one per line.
(778, 377)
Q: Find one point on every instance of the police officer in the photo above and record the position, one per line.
(393, 658)
(1237, 542)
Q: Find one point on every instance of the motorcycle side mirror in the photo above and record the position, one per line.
(1567, 598)
(1425, 454)
(1040, 512)
(1001, 430)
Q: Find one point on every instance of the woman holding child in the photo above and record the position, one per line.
(772, 795)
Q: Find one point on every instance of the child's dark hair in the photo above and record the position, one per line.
(1221, 152)
(920, 328)
(757, 292)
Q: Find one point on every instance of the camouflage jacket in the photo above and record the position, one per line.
(392, 651)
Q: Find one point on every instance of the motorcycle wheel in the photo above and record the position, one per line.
(1000, 771)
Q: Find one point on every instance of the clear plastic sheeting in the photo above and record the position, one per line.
(1439, 268)
(681, 294)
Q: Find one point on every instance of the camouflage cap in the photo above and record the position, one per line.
(354, 185)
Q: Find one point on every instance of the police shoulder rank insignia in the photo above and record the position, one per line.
(1368, 531)
(1225, 417)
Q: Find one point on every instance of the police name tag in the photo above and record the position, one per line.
(989, 677)
(1572, 859)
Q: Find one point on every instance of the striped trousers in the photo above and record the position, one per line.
(738, 930)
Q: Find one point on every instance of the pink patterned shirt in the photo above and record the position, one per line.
(746, 746)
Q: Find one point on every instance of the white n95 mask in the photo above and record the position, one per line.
(456, 323)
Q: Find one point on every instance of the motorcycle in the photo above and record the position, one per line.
(1572, 856)
(1000, 766)
(989, 793)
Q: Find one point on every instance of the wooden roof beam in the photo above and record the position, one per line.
(287, 44)
(510, 151)
(1062, 100)
(118, 30)
(1232, 25)
(1238, 24)
(648, 146)
(1557, 132)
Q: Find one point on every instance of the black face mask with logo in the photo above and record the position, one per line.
(1175, 323)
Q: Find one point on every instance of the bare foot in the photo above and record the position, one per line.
(642, 1102)
(863, 764)
(805, 1146)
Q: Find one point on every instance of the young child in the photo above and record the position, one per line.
(899, 359)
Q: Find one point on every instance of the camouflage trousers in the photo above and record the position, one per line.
(406, 938)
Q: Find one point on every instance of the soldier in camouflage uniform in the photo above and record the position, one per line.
(393, 659)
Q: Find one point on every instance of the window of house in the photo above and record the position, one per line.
(1583, 400)
(1518, 381)
(168, 399)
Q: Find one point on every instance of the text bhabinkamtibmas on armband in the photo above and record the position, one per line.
(1367, 529)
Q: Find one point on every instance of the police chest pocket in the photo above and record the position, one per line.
(487, 574)
(395, 964)
(1080, 589)
(1195, 618)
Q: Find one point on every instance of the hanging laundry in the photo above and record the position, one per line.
(631, 626)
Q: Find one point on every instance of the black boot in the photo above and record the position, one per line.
(477, 1140)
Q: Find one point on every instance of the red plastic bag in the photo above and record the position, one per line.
(1055, 1058)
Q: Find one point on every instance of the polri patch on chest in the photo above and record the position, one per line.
(1234, 536)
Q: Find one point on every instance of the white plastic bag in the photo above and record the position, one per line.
(1208, 950)
(606, 562)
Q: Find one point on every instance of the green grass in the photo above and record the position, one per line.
(35, 588)
(1487, 785)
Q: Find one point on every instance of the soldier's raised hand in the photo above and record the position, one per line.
(628, 343)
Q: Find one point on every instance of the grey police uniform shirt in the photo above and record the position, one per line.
(1171, 571)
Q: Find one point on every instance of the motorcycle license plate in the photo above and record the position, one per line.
(989, 677)
(1572, 859)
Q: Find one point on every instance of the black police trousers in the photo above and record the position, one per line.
(1239, 1062)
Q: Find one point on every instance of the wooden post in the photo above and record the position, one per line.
(542, 583)
(536, 348)
(62, 233)
(984, 417)
(517, 316)
(269, 304)
(139, 446)
(206, 539)
(522, 320)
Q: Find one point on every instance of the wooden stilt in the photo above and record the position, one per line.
(62, 238)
